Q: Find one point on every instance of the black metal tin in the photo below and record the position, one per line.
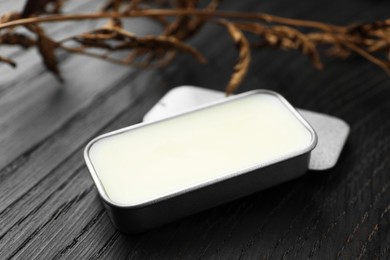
(131, 219)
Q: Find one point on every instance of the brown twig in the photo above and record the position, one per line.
(244, 56)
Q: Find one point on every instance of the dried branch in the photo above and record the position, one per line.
(181, 20)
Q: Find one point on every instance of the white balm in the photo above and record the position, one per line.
(147, 162)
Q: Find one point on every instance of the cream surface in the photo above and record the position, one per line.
(160, 159)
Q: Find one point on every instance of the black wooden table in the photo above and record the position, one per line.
(49, 207)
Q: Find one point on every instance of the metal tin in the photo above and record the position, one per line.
(137, 218)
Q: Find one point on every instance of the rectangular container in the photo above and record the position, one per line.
(234, 183)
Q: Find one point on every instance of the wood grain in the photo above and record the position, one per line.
(50, 209)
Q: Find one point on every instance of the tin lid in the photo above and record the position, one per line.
(332, 132)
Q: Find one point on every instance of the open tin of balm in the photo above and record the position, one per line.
(152, 173)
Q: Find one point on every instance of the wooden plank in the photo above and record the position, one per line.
(70, 179)
(42, 106)
(49, 207)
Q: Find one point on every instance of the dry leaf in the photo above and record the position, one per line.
(186, 26)
(291, 39)
(8, 61)
(368, 28)
(12, 38)
(8, 17)
(285, 38)
(114, 38)
(244, 56)
(180, 25)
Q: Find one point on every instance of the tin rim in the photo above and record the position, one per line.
(103, 194)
